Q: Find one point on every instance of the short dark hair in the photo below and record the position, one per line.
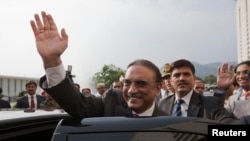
(247, 62)
(30, 82)
(182, 63)
(118, 81)
(149, 65)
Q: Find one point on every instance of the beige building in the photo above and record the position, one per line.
(243, 29)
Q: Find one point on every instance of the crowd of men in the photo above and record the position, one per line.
(145, 91)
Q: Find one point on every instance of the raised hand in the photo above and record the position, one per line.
(50, 44)
(225, 77)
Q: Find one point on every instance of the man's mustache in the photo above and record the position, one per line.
(182, 83)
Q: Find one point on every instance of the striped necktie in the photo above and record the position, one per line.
(177, 111)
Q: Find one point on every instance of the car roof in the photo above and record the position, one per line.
(115, 124)
(11, 113)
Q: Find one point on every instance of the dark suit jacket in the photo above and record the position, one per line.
(4, 104)
(80, 106)
(23, 102)
(208, 107)
(158, 98)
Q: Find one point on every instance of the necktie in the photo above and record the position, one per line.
(177, 111)
(32, 103)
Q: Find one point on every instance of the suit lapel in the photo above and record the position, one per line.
(157, 111)
(170, 104)
(26, 101)
(122, 111)
(194, 105)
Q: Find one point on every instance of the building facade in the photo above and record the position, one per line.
(243, 27)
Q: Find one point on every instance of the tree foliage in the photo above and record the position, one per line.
(108, 75)
(210, 79)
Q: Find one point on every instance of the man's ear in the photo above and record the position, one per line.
(159, 86)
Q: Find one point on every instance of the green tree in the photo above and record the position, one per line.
(210, 79)
(108, 75)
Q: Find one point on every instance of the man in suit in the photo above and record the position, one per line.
(194, 104)
(141, 85)
(26, 100)
(4, 104)
(167, 88)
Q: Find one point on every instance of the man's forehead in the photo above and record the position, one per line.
(138, 68)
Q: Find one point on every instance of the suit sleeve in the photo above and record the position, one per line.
(219, 113)
(114, 104)
(221, 96)
(73, 102)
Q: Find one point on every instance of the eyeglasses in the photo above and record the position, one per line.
(138, 83)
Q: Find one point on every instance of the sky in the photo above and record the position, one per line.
(104, 32)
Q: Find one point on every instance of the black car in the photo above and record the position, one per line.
(22, 124)
(160, 128)
(59, 126)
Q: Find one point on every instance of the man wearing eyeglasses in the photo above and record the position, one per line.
(142, 81)
(142, 84)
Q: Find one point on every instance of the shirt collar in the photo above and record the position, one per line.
(34, 95)
(148, 112)
(186, 98)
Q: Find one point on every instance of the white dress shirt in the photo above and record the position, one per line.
(184, 106)
(148, 112)
(55, 75)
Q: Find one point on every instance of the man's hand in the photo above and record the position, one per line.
(246, 95)
(225, 77)
(50, 45)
